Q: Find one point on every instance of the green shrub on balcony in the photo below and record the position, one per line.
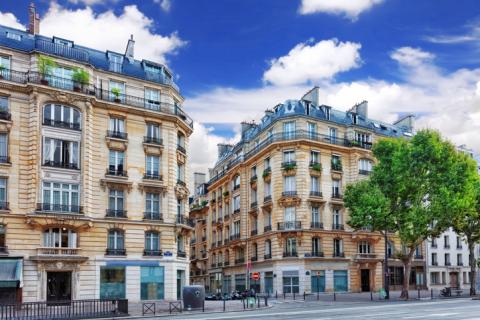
(266, 173)
(226, 194)
(316, 167)
(204, 203)
(289, 166)
(337, 165)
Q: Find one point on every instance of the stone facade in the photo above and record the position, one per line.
(276, 205)
(72, 212)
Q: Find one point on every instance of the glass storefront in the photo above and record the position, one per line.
(318, 281)
(227, 284)
(112, 282)
(291, 282)
(240, 282)
(152, 283)
(340, 280)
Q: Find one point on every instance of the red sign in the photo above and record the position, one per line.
(256, 276)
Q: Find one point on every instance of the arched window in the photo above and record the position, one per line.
(116, 242)
(57, 115)
(152, 243)
(59, 238)
(364, 247)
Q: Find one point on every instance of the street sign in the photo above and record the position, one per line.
(256, 276)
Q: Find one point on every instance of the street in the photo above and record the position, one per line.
(454, 309)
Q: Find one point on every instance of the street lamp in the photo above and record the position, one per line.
(386, 273)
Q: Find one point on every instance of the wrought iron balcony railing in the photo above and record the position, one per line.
(117, 134)
(289, 225)
(116, 252)
(61, 124)
(112, 213)
(316, 225)
(152, 253)
(117, 172)
(153, 140)
(53, 207)
(61, 164)
(151, 215)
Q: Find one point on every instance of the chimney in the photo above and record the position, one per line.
(362, 109)
(129, 52)
(223, 148)
(33, 20)
(407, 123)
(247, 126)
(313, 96)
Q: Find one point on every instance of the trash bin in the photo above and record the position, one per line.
(193, 297)
(251, 302)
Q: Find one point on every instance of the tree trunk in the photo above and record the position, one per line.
(473, 268)
(407, 267)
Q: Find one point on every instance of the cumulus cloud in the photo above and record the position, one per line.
(411, 56)
(88, 28)
(9, 20)
(164, 4)
(348, 8)
(313, 62)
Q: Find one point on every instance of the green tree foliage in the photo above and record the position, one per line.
(424, 183)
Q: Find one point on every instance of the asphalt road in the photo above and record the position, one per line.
(455, 309)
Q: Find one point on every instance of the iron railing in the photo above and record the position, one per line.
(267, 256)
(149, 215)
(152, 253)
(290, 254)
(289, 193)
(115, 252)
(181, 149)
(61, 124)
(317, 194)
(337, 226)
(316, 225)
(153, 140)
(116, 172)
(290, 225)
(117, 134)
(4, 205)
(4, 159)
(48, 46)
(267, 228)
(60, 164)
(112, 213)
(152, 176)
(52, 207)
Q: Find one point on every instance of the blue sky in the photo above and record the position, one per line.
(235, 58)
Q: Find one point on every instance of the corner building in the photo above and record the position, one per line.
(93, 175)
(276, 204)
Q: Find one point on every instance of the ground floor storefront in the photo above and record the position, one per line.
(455, 277)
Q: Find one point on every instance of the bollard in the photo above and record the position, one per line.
(418, 293)
(431, 294)
(276, 294)
(203, 305)
(223, 304)
(284, 295)
(243, 301)
(266, 301)
(371, 296)
(334, 296)
(294, 295)
(258, 301)
(318, 296)
(303, 295)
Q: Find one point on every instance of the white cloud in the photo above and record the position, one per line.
(108, 31)
(9, 20)
(472, 34)
(349, 8)
(310, 63)
(164, 4)
(411, 56)
(91, 2)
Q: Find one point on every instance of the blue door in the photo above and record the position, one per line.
(318, 281)
(340, 280)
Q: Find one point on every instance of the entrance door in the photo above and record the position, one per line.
(59, 286)
(365, 279)
(318, 281)
(180, 283)
(454, 280)
(269, 282)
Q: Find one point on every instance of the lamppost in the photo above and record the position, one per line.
(386, 271)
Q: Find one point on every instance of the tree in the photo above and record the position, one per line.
(423, 181)
(468, 226)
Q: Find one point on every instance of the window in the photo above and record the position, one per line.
(3, 194)
(435, 277)
(57, 115)
(267, 189)
(60, 197)
(236, 228)
(459, 242)
(255, 250)
(314, 157)
(236, 182)
(153, 133)
(434, 259)
(447, 259)
(61, 77)
(112, 283)
(336, 188)
(289, 156)
(364, 166)
(316, 217)
(180, 173)
(240, 282)
(115, 62)
(316, 247)
(117, 91)
(289, 215)
(354, 118)
(180, 244)
(337, 219)
(3, 105)
(267, 216)
(4, 148)
(253, 171)
(290, 247)
(152, 204)
(332, 133)
(116, 163)
(236, 204)
(59, 238)
(327, 113)
(289, 130)
(266, 163)
(116, 202)
(390, 249)
(290, 282)
(180, 208)
(181, 140)
(61, 153)
(363, 138)
(364, 247)
(459, 259)
(152, 243)
(289, 184)
(152, 283)
(116, 242)
(336, 163)
(434, 242)
(446, 241)
(152, 99)
(338, 248)
(315, 184)
(14, 36)
(268, 248)
(152, 167)
(312, 130)
(117, 125)
(3, 242)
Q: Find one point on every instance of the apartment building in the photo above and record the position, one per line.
(93, 173)
(276, 203)
(198, 242)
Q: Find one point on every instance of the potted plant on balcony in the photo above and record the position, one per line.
(289, 168)
(226, 194)
(2, 70)
(45, 67)
(80, 78)
(116, 93)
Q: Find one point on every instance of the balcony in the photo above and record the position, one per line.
(234, 237)
(212, 245)
(116, 252)
(50, 207)
(315, 168)
(289, 168)
(153, 140)
(219, 243)
(112, 213)
(204, 238)
(239, 260)
(182, 183)
(226, 241)
(316, 194)
(267, 199)
(56, 254)
(447, 263)
(316, 225)
(290, 254)
(366, 256)
(226, 263)
(117, 135)
(267, 256)
(59, 124)
(267, 174)
(253, 259)
(289, 193)
(152, 253)
(181, 254)
(253, 205)
(149, 215)
(153, 176)
(116, 172)
(180, 219)
(193, 241)
(289, 225)
(61, 164)
(339, 255)
(204, 255)
(336, 166)
(267, 228)
(236, 211)
(213, 265)
(315, 254)
(460, 263)
(254, 232)
(181, 149)
(337, 196)
(434, 263)
(418, 257)
(336, 226)
(226, 217)
(253, 179)
(364, 172)
(459, 247)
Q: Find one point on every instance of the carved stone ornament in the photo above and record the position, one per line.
(293, 201)
(181, 192)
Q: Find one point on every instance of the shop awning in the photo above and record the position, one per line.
(10, 273)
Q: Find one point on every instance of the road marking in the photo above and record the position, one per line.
(433, 315)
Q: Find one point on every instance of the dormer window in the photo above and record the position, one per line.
(63, 42)
(115, 61)
(354, 118)
(327, 113)
(153, 73)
